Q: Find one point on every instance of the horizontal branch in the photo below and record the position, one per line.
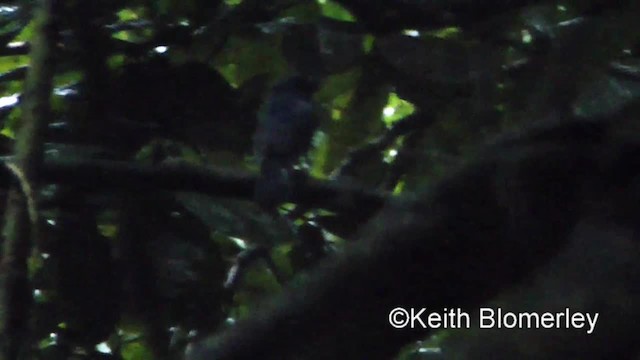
(102, 175)
(390, 16)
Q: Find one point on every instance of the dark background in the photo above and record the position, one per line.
(496, 140)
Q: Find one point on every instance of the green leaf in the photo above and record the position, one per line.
(136, 351)
(396, 109)
(336, 11)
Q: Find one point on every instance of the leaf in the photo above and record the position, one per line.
(136, 351)
(431, 59)
(251, 57)
(236, 219)
(332, 9)
(322, 48)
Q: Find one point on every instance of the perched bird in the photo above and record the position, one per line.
(286, 124)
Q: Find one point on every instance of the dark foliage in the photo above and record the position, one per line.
(268, 179)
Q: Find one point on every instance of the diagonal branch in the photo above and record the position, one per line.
(481, 230)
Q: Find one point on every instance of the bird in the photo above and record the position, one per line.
(287, 122)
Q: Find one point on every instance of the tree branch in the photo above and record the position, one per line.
(480, 231)
(20, 228)
(393, 16)
(386, 17)
(99, 175)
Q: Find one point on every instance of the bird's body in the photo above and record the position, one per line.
(286, 125)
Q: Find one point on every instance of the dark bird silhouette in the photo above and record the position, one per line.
(286, 124)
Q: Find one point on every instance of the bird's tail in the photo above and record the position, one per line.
(274, 186)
